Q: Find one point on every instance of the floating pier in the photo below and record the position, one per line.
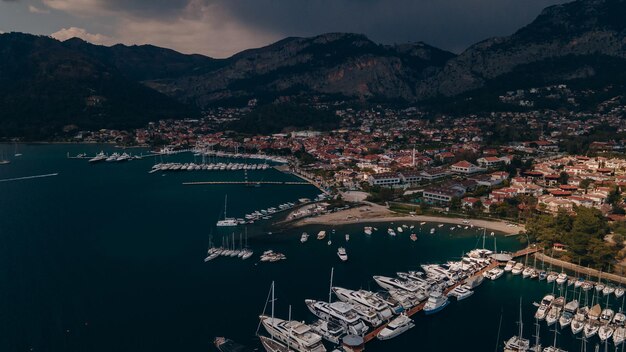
(249, 183)
(29, 177)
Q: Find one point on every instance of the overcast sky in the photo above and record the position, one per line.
(220, 28)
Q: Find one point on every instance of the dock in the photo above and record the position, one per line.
(372, 335)
(581, 269)
(29, 177)
(526, 251)
(248, 183)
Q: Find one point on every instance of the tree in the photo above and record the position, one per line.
(455, 203)
(584, 184)
(614, 196)
(563, 178)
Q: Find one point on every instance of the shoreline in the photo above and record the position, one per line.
(375, 213)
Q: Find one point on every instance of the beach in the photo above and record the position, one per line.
(377, 213)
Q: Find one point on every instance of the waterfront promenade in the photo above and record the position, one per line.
(581, 269)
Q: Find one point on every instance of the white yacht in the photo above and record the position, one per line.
(406, 299)
(460, 293)
(493, 274)
(400, 230)
(304, 237)
(341, 253)
(619, 292)
(436, 302)
(569, 310)
(544, 307)
(527, 272)
(592, 325)
(555, 311)
(578, 323)
(321, 235)
(552, 276)
(124, 157)
(389, 283)
(340, 311)
(99, 157)
(606, 330)
(391, 232)
(112, 157)
(561, 278)
(297, 335)
(367, 314)
(620, 331)
(330, 330)
(396, 327)
(367, 230)
(366, 298)
(517, 269)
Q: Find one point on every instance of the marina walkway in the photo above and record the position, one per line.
(372, 335)
(581, 269)
(525, 251)
(28, 177)
(251, 183)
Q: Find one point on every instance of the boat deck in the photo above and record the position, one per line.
(372, 335)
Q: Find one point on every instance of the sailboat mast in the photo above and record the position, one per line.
(330, 288)
(521, 324)
(537, 329)
(484, 234)
(272, 304)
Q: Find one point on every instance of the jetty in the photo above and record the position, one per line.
(249, 183)
(28, 177)
(526, 251)
(581, 269)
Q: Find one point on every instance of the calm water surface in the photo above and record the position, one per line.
(108, 257)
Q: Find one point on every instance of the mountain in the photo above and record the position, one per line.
(334, 64)
(579, 31)
(146, 62)
(47, 86)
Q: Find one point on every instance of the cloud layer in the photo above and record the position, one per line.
(222, 27)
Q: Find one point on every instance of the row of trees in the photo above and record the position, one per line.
(583, 234)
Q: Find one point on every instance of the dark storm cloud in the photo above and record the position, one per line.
(223, 27)
(148, 8)
(451, 24)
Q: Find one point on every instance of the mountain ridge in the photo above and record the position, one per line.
(53, 84)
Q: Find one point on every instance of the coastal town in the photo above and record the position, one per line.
(510, 166)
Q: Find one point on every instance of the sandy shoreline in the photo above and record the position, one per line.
(376, 213)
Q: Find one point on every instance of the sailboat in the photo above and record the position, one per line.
(268, 343)
(247, 252)
(517, 343)
(4, 160)
(227, 221)
(553, 348)
(212, 252)
(17, 153)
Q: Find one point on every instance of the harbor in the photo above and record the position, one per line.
(134, 266)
